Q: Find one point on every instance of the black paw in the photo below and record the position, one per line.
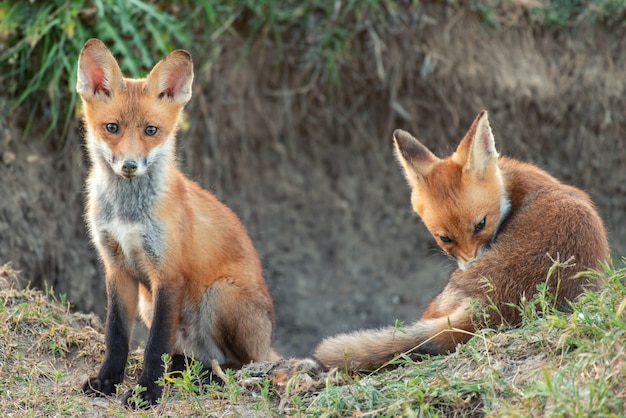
(140, 397)
(99, 387)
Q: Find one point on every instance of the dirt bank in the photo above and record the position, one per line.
(312, 174)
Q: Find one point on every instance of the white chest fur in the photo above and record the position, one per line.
(128, 235)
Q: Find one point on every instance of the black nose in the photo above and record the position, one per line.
(129, 166)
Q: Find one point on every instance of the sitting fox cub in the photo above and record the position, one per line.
(171, 251)
(500, 219)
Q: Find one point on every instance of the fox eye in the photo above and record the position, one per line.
(150, 130)
(112, 128)
(480, 225)
(446, 240)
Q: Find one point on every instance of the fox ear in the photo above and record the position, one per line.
(416, 160)
(171, 78)
(98, 71)
(477, 151)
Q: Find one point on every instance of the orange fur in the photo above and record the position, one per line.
(501, 220)
(171, 251)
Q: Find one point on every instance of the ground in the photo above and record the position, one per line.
(557, 364)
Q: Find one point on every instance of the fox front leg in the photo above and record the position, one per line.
(167, 304)
(120, 316)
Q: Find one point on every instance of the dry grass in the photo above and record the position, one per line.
(556, 365)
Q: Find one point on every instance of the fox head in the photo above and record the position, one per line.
(131, 123)
(461, 199)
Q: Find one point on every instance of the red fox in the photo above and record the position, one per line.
(501, 219)
(171, 251)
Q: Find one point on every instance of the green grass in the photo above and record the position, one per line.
(551, 14)
(556, 365)
(40, 40)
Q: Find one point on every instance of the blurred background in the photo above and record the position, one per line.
(291, 123)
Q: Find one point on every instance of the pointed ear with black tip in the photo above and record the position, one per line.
(416, 160)
(172, 77)
(99, 75)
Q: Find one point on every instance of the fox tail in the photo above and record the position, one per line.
(368, 349)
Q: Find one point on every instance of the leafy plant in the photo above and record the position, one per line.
(40, 42)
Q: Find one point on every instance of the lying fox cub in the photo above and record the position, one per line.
(499, 218)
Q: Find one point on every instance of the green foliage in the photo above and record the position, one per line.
(557, 364)
(40, 41)
(572, 12)
(551, 14)
(136, 399)
(188, 384)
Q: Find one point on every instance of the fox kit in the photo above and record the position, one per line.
(171, 251)
(500, 219)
